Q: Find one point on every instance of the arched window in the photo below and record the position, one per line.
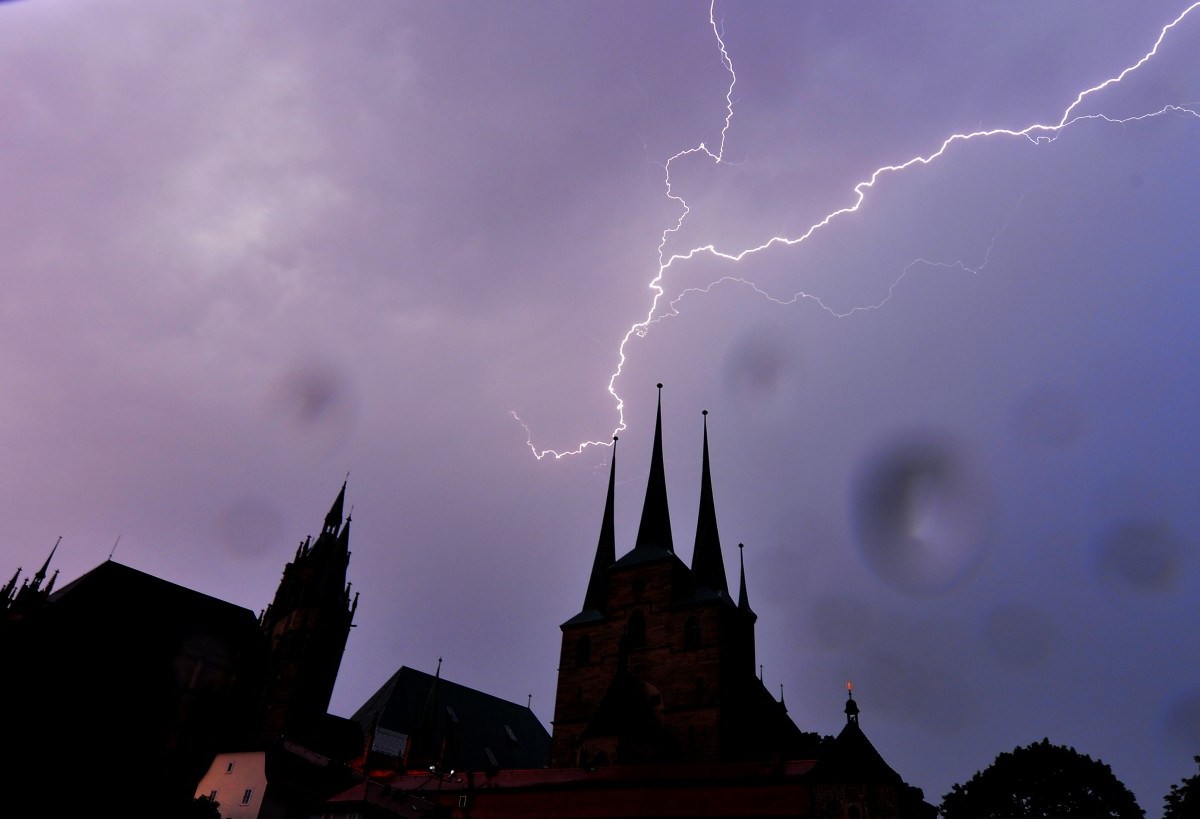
(691, 634)
(636, 630)
(583, 650)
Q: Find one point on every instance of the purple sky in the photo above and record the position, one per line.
(251, 248)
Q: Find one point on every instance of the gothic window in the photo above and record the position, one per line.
(637, 630)
(583, 651)
(691, 634)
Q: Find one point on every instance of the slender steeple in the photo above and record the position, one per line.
(654, 532)
(707, 563)
(41, 573)
(743, 597)
(334, 519)
(606, 548)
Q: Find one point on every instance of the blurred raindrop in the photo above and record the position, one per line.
(1143, 554)
(315, 401)
(1018, 635)
(1181, 721)
(762, 370)
(1047, 416)
(250, 526)
(919, 515)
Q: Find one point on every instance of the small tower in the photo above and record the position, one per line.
(306, 628)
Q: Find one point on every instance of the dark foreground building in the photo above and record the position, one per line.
(125, 692)
(119, 687)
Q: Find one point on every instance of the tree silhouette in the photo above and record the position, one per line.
(1183, 801)
(1042, 780)
(203, 808)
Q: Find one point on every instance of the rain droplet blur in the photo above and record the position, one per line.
(315, 401)
(919, 515)
(1142, 554)
(1181, 721)
(762, 371)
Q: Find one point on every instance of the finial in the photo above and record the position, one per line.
(704, 412)
(660, 386)
(529, 701)
(615, 439)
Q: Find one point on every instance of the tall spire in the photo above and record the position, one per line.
(334, 519)
(606, 548)
(743, 597)
(707, 564)
(41, 573)
(654, 532)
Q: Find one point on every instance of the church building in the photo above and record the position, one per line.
(658, 710)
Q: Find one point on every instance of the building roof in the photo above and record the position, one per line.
(449, 725)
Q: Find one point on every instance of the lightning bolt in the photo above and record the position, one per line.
(1037, 133)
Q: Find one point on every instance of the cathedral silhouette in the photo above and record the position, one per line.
(125, 690)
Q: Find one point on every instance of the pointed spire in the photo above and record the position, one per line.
(654, 532)
(334, 519)
(743, 596)
(707, 563)
(41, 573)
(10, 588)
(344, 535)
(606, 548)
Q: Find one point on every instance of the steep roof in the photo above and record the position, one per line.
(707, 562)
(654, 531)
(479, 731)
(606, 552)
(850, 756)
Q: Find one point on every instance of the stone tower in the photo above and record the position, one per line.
(658, 666)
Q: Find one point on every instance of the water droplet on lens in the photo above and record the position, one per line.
(919, 515)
